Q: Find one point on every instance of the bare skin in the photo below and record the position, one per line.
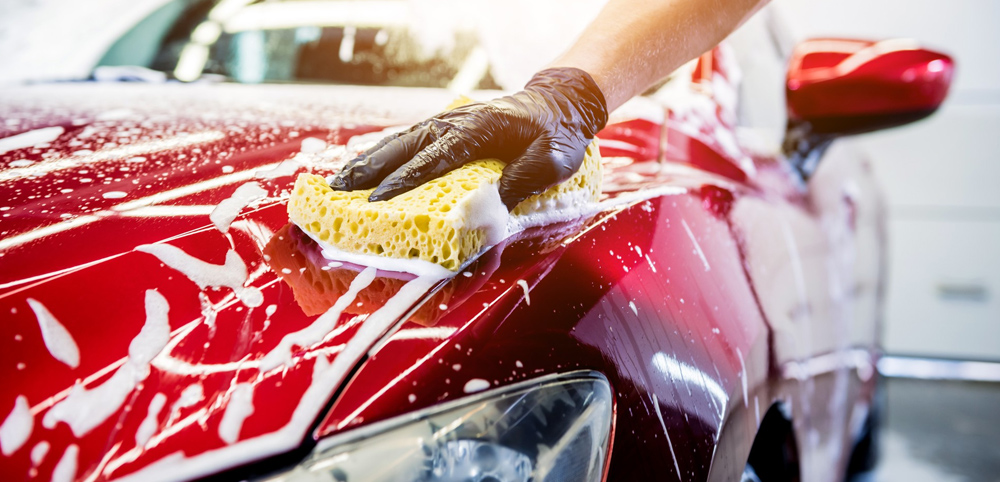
(632, 44)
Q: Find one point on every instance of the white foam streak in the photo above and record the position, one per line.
(29, 139)
(16, 428)
(524, 286)
(224, 214)
(85, 409)
(65, 470)
(312, 145)
(149, 424)
(38, 453)
(191, 395)
(476, 385)
(240, 407)
(121, 152)
(284, 169)
(155, 333)
(326, 377)
(415, 266)
(314, 333)
(231, 275)
(57, 339)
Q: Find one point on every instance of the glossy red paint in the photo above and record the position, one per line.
(74, 253)
(837, 78)
(656, 320)
(661, 290)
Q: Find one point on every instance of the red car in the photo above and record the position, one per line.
(712, 318)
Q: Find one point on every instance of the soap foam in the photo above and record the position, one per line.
(38, 453)
(326, 377)
(57, 339)
(446, 221)
(476, 385)
(232, 274)
(315, 332)
(84, 409)
(284, 169)
(240, 407)
(29, 139)
(16, 428)
(417, 267)
(149, 424)
(65, 470)
(224, 214)
(312, 145)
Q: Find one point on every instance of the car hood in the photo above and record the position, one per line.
(162, 318)
(136, 321)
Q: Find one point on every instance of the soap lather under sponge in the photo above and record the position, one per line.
(446, 221)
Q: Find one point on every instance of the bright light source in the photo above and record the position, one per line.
(206, 33)
(347, 45)
(191, 63)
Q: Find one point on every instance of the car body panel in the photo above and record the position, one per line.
(673, 289)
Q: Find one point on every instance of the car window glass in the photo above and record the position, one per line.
(328, 41)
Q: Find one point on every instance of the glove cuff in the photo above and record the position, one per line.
(580, 89)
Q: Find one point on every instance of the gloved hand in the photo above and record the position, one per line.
(541, 133)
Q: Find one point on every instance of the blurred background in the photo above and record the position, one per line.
(940, 175)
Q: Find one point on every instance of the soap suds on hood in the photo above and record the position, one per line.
(29, 139)
(85, 409)
(149, 424)
(312, 145)
(231, 275)
(326, 378)
(240, 407)
(16, 428)
(315, 332)
(284, 169)
(38, 453)
(191, 395)
(476, 385)
(524, 286)
(224, 214)
(57, 339)
(114, 194)
(415, 266)
(65, 470)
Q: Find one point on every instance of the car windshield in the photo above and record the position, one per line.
(363, 42)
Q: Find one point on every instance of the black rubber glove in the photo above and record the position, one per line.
(541, 132)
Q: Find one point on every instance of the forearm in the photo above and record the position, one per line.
(634, 43)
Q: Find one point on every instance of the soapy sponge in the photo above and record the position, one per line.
(445, 221)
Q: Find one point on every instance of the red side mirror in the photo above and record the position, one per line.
(843, 87)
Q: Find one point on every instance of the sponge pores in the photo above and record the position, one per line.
(445, 221)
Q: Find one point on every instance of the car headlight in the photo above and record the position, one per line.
(551, 430)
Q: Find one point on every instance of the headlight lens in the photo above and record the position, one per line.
(553, 430)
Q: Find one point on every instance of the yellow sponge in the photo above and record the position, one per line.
(444, 221)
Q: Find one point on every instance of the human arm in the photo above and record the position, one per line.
(542, 132)
(632, 44)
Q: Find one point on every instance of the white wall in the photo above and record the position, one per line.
(941, 175)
